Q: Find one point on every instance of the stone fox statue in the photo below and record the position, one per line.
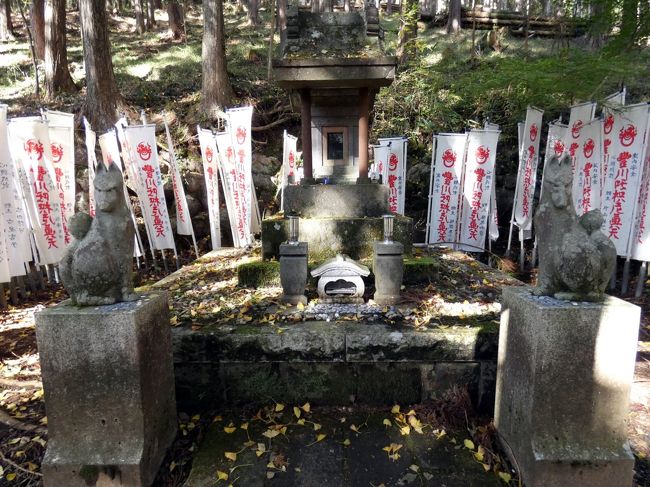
(576, 259)
(97, 268)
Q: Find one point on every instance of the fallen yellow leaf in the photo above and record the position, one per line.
(222, 475)
(296, 411)
(505, 476)
(279, 407)
(395, 409)
(317, 426)
(306, 407)
(321, 437)
(388, 423)
(469, 444)
(230, 456)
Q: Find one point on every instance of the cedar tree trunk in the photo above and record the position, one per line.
(37, 21)
(176, 22)
(139, 16)
(252, 14)
(408, 31)
(453, 22)
(216, 91)
(57, 75)
(6, 26)
(102, 96)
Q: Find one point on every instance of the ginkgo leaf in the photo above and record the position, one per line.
(244, 426)
(222, 475)
(230, 429)
(232, 456)
(346, 442)
(405, 430)
(217, 418)
(270, 475)
(300, 306)
(479, 456)
(486, 467)
(296, 411)
(415, 468)
(505, 476)
(271, 433)
(354, 428)
(395, 409)
(301, 422)
(469, 444)
(321, 437)
(306, 407)
(11, 476)
(317, 426)
(411, 413)
(279, 407)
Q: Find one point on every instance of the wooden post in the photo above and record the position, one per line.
(305, 115)
(364, 109)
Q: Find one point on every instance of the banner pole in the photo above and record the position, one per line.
(640, 283)
(427, 238)
(196, 247)
(522, 252)
(164, 260)
(626, 277)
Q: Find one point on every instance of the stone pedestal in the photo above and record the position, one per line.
(563, 387)
(388, 268)
(109, 392)
(293, 272)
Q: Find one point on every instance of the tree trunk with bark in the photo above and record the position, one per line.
(57, 75)
(346, 5)
(408, 32)
(252, 14)
(102, 95)
(151, 14)
(282, 20)
(216, 90)
(37, 22)
(176, 21)
(139, 16)
(453, 22)
(6, 26)
(157, 4)
(315, 7)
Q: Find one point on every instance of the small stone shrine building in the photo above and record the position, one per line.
(333, 65)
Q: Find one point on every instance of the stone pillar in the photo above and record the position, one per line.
(305, 116)
(388, 268)
(108, 379)
(364, 114)
(563, 387)
(293, 272)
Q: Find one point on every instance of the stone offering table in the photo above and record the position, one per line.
(563, 387)
(109, 391)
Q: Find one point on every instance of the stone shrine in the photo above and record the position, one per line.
(333, 65)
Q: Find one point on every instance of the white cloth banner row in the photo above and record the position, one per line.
(390, 160)
(461, 191)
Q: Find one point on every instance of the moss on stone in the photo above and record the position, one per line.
(419, 270)
(259, 274)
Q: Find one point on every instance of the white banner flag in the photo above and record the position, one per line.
(588, 164)
(31, 152)
(614, 100)
(14, 215)
(447, 167)
(289, 163)
(142, 144)
(641, 242)
(228, 173)
(381, 158)
(110, 149)
(579, 115)
(477, 187)
(239, 126)
(623, 178)
(527, 174)
(91, 144)
(61, 126)
(210, 158)
(183, 219)
(493, 229)
(394, 172)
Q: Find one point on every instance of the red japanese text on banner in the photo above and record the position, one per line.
(142, 144)
(16, 229)
(210, 159)
(554, 145)
(579, 115)
(31, 152)
(527, 174)
(588, 164)
(641, 242)
(61, 127)
(381, 158)
(183, 219)
(229, 182)
(477, 187)
(445, 191)
(623, 178)
(239, 126)
(394, 172)
(289, 163)
(612, 104)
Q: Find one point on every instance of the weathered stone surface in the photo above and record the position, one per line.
(109, 392)
(330, 236)
(293, 272)
(576, 259)
(563, 389)
(388, 268)
(97, 268)
(336, 200)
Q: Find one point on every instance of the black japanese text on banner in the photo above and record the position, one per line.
(16, 231)
(142, 144)
(445, 191)
(31, 152)
(477, 187)
(239, 126)
(641, 243)
(394, 172)
(623, 178)
(210, 159)
(588, 164)
(527, 174)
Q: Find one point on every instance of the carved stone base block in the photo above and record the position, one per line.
(109, 392)
(293, 272)
(563, 387)
(388, 268)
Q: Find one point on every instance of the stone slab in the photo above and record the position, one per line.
(336, 200)
(563, 387)
(328, 237)
(109, 391)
